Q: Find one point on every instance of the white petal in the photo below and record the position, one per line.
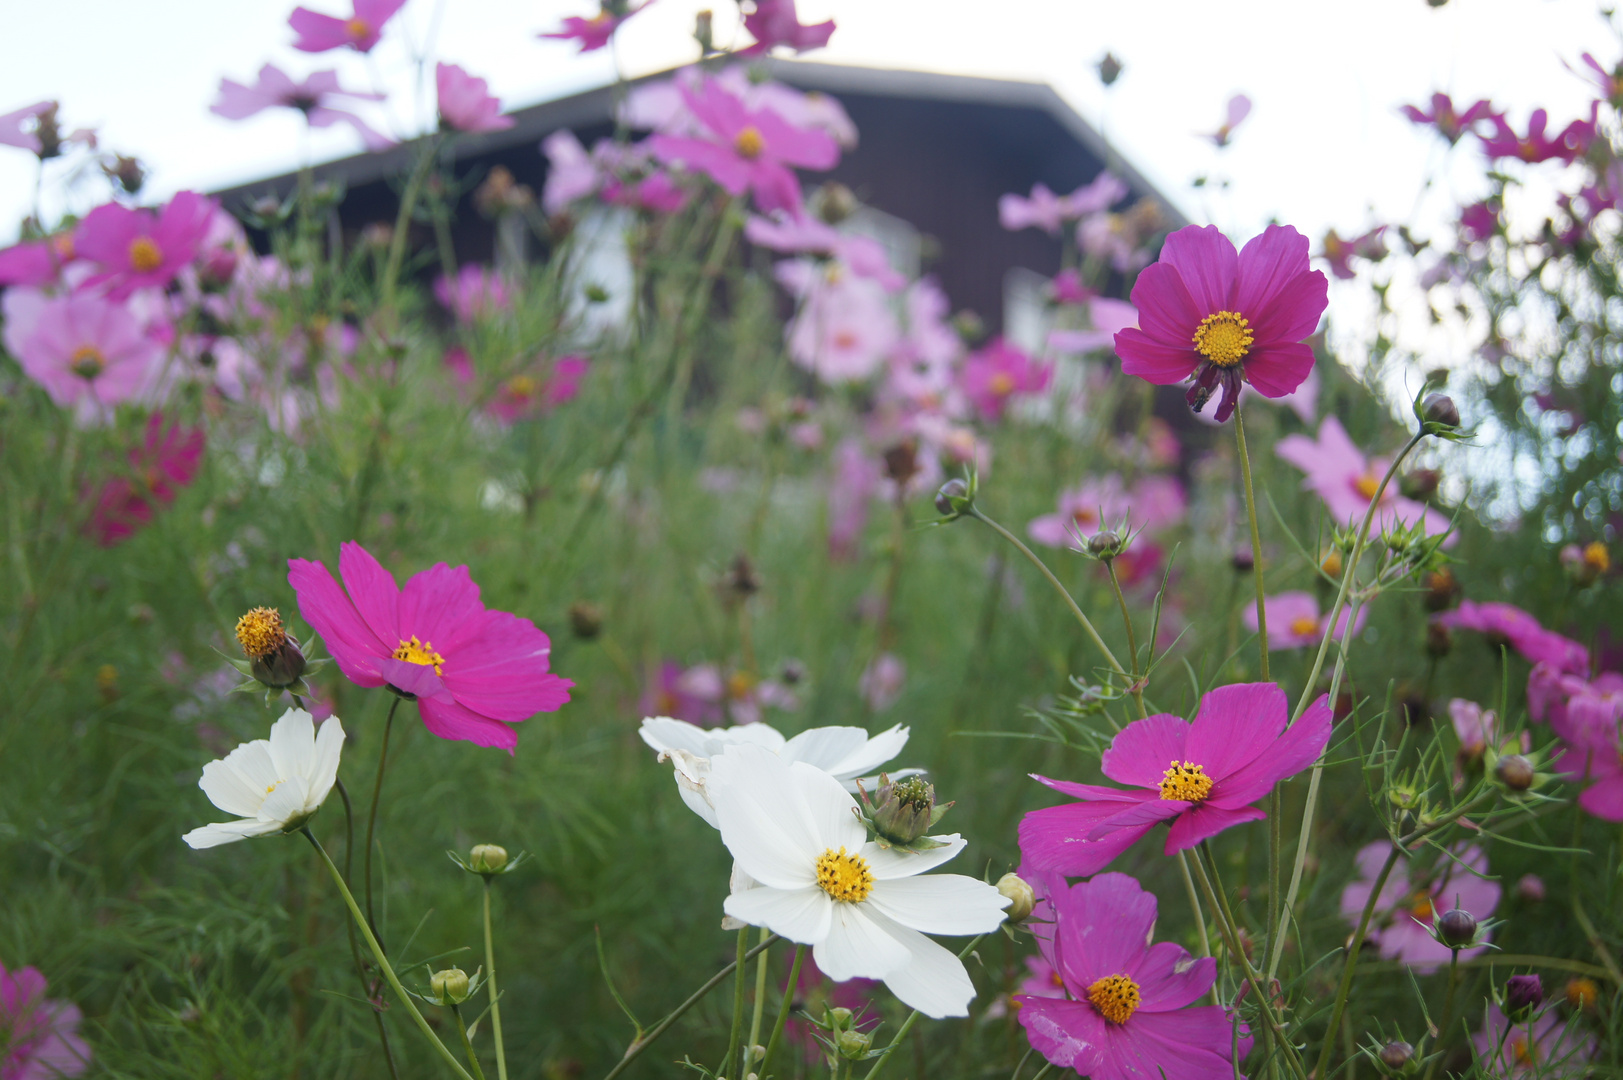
(329, 748)
(252, 763)
(763, 817)
(230, 790)
(941, 903)
(933, 981)
(825, 747)
(890, 863)
(757, 734)
(293, 744)
(801, 915)
(692, 782)
(226, 832)
(832, 810)
(287, 802)
(664, 733)
(856, 947)
(872, 754)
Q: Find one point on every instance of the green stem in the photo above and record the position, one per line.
(1087, 626)
(372, 815)
(738, 1005)
(402, 224)
(382, 961)
(1194, 903)
(354, 942)
(1256, 541)
(467, 1044)
(1347, 971)
(643, 1042)
(913, 1018)
(495, 1003)
(1448, 1008)
(1021, 1064)
(760, 1006)
(1132, 639)
(783, 1010)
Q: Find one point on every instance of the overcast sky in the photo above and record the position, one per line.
(1324, 146)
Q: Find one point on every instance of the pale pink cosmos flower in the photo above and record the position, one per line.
(775, 22)
(1153, 504)
(1294, 620)
(313, 97)
(592, 33)
(466, 103)
(744, 149)
(37, 262)
(1347, 481)
(361, 31)
(993, 375)
(845, 326)
(528, 394)
(798, 233)
(1543, 1046)
(88, 352)
(1049, 212)
(1407, 908)
(1477, 728)
(1239, 107)
(476, 293)
(882, 682)
(42, 1040)
(572, 173)
(1509, 624)
(660, 105)
(136, 249)
(12, 131)
(851, 490)
(1109, 318)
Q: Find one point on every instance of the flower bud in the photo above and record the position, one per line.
(1109, 69)
(1530, 887)
(1582, 993)
(1442, 588)
(905, 810)
(1515, 772)
(1105, 545)
(1439, 414)
(1439, 640)
(487, 859)
(1019, 891)
(854, 1045)
(1456, 928)
(1396, 1054)
(1523, 994)
(1243, 559)
(449, 987)
(952, 497)
(596, 294)
(585, 619)
(704, 31)
(835, 202)
(126, 172)
(1419, 484)
(839, 1019)
(901, 461)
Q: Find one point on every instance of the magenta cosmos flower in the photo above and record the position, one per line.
(475, 293)
(313, 97)
(1153, 504)
(594, 33)
(1202, 777)
(136, 249)
(1239, 107)
(1407, 907)
(1225, 318)
(993, 375)
(361, 31)
(1294, 621)
(474, 673)
(1347, 481)
(39, 1037)
(12, 132)
(88, 352)
(744, 149)
(166, 461)
(466, 103)
(775, 22)
(1566, 145)
(1449, 121)
(1130, 1012)
(1510, 625)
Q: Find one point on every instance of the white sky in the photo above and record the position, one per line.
(1323, 146)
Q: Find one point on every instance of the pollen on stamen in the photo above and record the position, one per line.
(1223, 338)
(260, 632)
(87, 362)
(846, 878)
(357, 28)
(1302, 626)
(1186, 781)
(1116, 997)
(749, 143)
(419, 652)
(145, 255)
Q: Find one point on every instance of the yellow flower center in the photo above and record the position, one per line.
(1302, 626)
(274, 786)
(1055, 978)
(1523, 1051)
(739, 685)
(1084, 517)
(1367, 485)
(420, 652)
(521, 387)
(845, 339)
(1187, 781)
(1002, 384)
(145, 255)
(1597, 558)
(844, 877)
(1223, 338)
(1582, 993)
(1115, 996)
(357, 28)
(749, 143)
(260, 632)
(1421, 907)
(1332, 563)
(87, 361)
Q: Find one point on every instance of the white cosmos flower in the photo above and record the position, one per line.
(273, 785)
(819, 882)
(845, 753)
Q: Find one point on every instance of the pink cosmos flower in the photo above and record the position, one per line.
(1239, 107)
(1477, 728)
(1407, 907)
(801, 234)
(361, 31)
(1567, 145)
(136, 249)
(1602, 768)
(476, 293)
(312, 97)
(474, 673)
(1339, 253)
(845, 326)
(882, 682)
(38, 262)
(850, 491)
(994, 374)
(1225, 318)
(166, 461)
(744, 149)
(1049, 212)
(672, 691)
(1294, 621)
(1154, 503)
(466, 103)
(42, 1035)
(528, 394)
(1109, 318)
(1129, 1011)
(1042, 979)
(593, 33)
(1450, 122)
(88, 352)
(1543, 1046)
(1338, 471)
(12, 133)
(1592, 714)
(1511, 625)
(1067, 288)
(774, 23)
(1202, 777)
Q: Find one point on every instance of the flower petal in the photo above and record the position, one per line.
(1152, 361)
(1300, 746)
(1169, 978)
(800, 915)
(1279, 369)
(856, 947)
(438, 603)
(354, 647)
(231, 789)
(1190, 1044)
(1205, 821)
(374, 592)
(1143, 750)
(1055, 839)
(764, 817)
(933, 980)
(1067, 1033)
(450, 720)
(940, 903)
(1207, 264)
(1271, 262)
(226, 832)
(1234, 726)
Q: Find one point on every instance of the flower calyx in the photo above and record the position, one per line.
(488, 860)
(901, 813)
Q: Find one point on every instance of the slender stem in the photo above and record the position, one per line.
(1194, 903)
(1256, 542)
(738, 1005)
(760, 1006)
(643, 1042)
(913, 1018)
(1352, 962)
(1448, 1007)
(783, 1010)
(1132, 639)
(354, 942)
(1042, 1072)
(490, 978)
(402, 223)
(1021, 1064)
(382, 961)
(372, 815)
(1087, 626)
(467, 1044)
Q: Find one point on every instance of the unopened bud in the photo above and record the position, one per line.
(1420, 484)
(1530, 887)
(1442, 587)
(901, 461)
(904, 810)
(126, 172)
(1396, 1054)
(704, 31)
(585, 619)
(1523, 994)
(1439, 409)
(449, 987)
(952, 497)
(1243, 559)
(1456, 928)
(853, 1044)
(1109, 69)
(1105, 545)
(487, 859)
(839, 1018)
(835, 202)
(1515, 772)
(1022, 898)
(596, 294)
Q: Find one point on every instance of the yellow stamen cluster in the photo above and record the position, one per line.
(1582, 993)
(1115, 996)
(1597, 558)
(1224, 338)
(145, 256)
(357, 28)
(1421, 906)
(1367, 485)
(1302, 626)
(749, 143)
(1187, 781)
(1002, 384)
(739, 685)
(421, 653)
(844, 877)
(260, 632)
(87, 361)
(1520, 1047)
(521, 387)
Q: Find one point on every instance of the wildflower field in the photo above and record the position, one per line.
(799, 679)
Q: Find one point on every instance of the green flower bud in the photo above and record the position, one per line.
(854, 1045)
(449, 987)
(1018, 890)
(1105, 545)
(1515, 772)
(904, 811)
(487, 859)
(1396, 1055)
(839, 1019)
